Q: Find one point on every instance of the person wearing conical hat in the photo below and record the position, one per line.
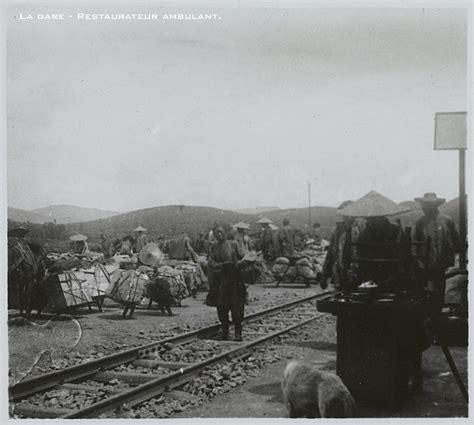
(379, 238)
(334, 264)
(268, 239)
(242, 239)
(444, 243)
(79, 244)
(140, 239)
(287, 239)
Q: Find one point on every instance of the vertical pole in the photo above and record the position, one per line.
(309, 206)
(462, 209)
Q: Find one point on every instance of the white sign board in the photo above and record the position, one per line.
(450, 130)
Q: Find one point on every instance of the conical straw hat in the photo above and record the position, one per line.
(264, 220)
(78, 237)
(139, 229)
(241, 225)
(372, 205)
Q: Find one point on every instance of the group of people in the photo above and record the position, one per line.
(436, 243)
(380, 238)
(128, 245)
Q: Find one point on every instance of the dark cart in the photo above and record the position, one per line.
(380, 332)
(378, 344)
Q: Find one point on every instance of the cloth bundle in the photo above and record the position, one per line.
(280, 266)
(175, 278)
(306, 268)
(127, 286)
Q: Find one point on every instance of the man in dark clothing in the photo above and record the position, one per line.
(286, 237)
(106, 246)
(230, 292)
(444, 242)
(334, 265)
(268, 240)
(383, 234)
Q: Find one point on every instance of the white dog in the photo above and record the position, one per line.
(309, 392)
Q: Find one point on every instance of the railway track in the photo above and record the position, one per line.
(142, 373)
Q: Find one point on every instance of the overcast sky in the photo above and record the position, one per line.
(233, 113)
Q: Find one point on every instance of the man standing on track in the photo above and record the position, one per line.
(229, 291)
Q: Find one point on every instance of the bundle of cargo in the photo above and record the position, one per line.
(91, 258)
(176, 281)
(127, 286)
(66, 290)
(158, 290)
(456, 288)
(190, 277)
(306, 268)
(57, 263)
(280, 267)
(193, 270)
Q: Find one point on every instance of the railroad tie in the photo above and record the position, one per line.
(127, 377)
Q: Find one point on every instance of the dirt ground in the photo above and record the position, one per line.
(82, 335)
(92, 335)
(260, 397)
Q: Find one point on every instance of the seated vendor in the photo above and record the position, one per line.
(378, 241)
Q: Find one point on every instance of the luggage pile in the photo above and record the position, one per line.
(75, 280)
(57, 263)
(280, 267)
(307, 265)
(66, 290)
(306, 268)
(175, 279)
(127, 286)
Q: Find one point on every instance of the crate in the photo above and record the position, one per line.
(67, 290)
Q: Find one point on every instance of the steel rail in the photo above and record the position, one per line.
(52, 379)
(158, 386)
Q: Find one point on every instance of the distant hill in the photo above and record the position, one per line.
(258, 210)
(62, 214)
(171, 220)
(23, 216)
(167, 221)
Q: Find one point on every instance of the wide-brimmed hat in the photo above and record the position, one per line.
(241, 225)
(430, 198)
(78, 238)
(372, 205)
(264, 220)
(139, 229)
(17, 232)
